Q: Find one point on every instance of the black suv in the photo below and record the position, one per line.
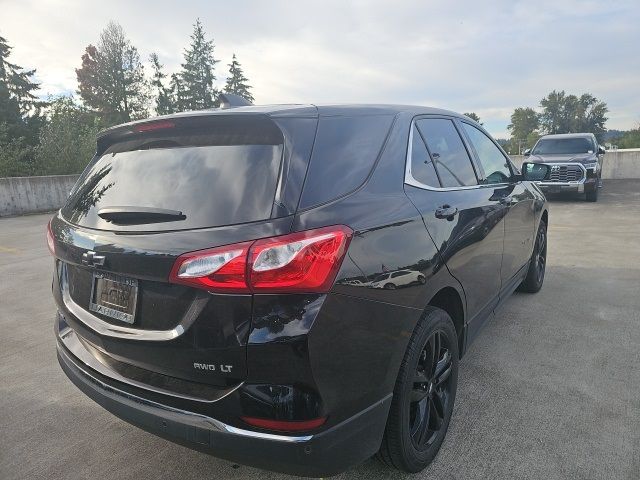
(218, 277)
(575, 160)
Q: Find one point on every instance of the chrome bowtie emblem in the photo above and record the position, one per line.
(92, 260)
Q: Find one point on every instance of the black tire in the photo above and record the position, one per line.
(422, 280)
(593, 195)
(423, 396)
(532, 283)
(389, 286)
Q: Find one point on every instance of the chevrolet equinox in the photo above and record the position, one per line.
(291, 287)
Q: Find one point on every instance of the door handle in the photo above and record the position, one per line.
(446, 211)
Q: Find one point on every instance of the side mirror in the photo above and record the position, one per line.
(535, 172)
(601, 150)
(527, 152)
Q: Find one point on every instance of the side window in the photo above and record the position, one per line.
(495, 165)
(422, 168)
(344, 153)
(447, 151)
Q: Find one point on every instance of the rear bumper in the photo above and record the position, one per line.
(324, 454)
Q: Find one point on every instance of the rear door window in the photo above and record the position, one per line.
(448, 153)
(211, 185)
(422, 168)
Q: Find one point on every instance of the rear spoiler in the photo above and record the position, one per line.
(192, 129)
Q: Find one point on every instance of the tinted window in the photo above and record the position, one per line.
(422, 168)
(345, 150)
(399, 274)
(563, 146)
(447, 152)
(495, 165)
(210, 185)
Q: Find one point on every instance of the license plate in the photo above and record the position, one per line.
(114, 296)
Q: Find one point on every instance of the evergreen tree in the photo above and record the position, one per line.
(164, 103)
(473, 116)
(237, 82)
(20, 118)
(19, 105)
(194, 88)
(178, 99)
(111, 79)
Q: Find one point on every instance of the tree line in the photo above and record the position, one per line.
(58, 136)
(560, 112)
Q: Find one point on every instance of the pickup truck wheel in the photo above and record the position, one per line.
(532, 283)
(592, 196)
(424, 394)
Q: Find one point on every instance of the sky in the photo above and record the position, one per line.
(488, 57)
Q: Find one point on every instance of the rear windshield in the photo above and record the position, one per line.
(563, 146)
(210, 185)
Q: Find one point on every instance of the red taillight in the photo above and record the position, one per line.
(217, 269)
(298, 262)
(150, 126)
(285, 425)
(50, 243)
(303, 261)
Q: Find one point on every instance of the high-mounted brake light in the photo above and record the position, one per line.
(50, 242)
(150, 126)
(298, 262)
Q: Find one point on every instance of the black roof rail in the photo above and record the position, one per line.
(229, 100)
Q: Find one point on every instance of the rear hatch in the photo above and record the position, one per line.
(153, 192)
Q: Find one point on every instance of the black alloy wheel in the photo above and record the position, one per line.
(431, 394)
(424, 394)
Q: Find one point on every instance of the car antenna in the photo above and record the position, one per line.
(230, 100)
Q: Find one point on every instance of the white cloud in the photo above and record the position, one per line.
(487, 57)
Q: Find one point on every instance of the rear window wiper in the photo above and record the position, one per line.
(139, 215)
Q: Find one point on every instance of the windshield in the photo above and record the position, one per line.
(563, 146)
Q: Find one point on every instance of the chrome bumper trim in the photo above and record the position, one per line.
(103, 328)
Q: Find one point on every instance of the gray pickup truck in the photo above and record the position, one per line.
(576, 163)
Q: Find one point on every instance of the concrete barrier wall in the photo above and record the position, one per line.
(617, 163)
(20, 195)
